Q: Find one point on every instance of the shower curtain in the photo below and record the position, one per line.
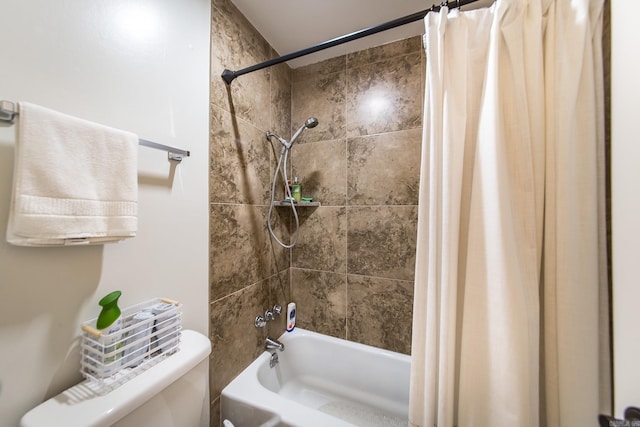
(510, 308)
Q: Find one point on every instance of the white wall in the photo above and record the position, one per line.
(139, 65)
(625, 146)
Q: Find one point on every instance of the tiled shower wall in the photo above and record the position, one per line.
(352, 270)
(351, 273)
(247, 273)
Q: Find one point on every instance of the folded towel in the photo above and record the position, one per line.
(74, 181)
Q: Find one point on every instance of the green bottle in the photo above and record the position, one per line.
(110, 322)
(296, 190)
(110, 310)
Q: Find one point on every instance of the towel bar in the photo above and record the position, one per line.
(9, 111)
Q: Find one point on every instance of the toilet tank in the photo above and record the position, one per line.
(172, 393)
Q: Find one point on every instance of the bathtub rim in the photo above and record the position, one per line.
(271, 403)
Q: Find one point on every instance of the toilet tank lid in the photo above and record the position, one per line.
(80, 406)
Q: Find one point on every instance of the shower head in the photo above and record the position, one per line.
(310, 123)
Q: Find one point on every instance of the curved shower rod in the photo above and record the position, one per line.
(228, 76)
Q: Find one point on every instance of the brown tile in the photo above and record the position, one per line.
(235, 44)
(214, 413)
(321, 167)
(225, 7)
(323, 98)
(380, 312)
(280, 223)
(239, 250)
(236, 342)
(385, 96)
(235, 39)
(321, 301)
(240, 165)
(312, 71)
(281, 257)
(281, 100)
(279, 293)
(322, 241)
(385, 51)
(384, 169)
(382, 241)
(281, 220)
(275, 148)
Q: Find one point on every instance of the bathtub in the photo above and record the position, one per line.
(320, 381)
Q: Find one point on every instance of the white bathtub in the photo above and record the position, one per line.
(320, 381)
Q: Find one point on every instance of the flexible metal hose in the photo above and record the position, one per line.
(284, 154)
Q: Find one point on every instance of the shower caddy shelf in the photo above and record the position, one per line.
(282, 203)
(110, 360)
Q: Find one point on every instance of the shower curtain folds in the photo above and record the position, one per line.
(510, 275)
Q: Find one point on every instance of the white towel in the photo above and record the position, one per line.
(74, 181)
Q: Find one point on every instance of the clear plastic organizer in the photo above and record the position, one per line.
(150, 332)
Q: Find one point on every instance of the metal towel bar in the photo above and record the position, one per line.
(9, 111)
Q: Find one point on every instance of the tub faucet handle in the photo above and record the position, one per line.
(260, 322)
(271, 315)
(277, 309)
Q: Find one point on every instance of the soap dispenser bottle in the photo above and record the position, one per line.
(296, 190)
(109, 323)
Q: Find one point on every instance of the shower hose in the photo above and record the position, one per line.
(282, 167)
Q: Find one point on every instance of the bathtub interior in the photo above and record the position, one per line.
(350, 383)
(242, 414)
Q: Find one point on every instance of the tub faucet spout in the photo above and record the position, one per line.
(273, 344)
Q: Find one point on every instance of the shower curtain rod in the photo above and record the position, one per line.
(228, 76)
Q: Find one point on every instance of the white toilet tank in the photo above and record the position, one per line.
(172, 393)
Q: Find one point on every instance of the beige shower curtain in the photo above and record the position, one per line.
(510, 290)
